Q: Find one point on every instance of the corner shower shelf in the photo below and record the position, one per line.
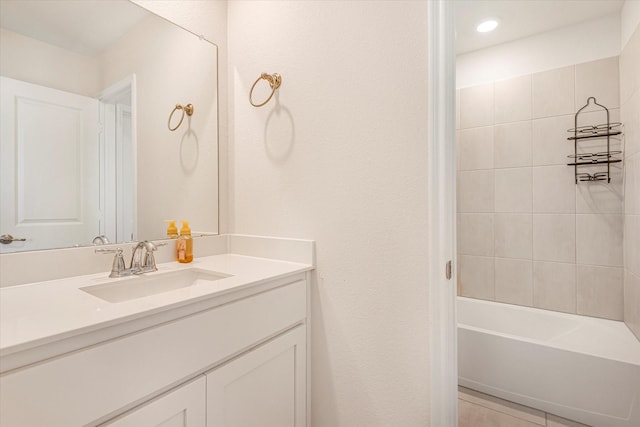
(605, 130)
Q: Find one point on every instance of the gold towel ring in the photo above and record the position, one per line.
(186, 109)
(274, 80)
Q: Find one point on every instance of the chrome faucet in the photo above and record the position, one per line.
(139, 263)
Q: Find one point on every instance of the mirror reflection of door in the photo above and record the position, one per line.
(116, 162)
(48, 170)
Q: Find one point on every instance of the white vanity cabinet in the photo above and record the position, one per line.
(265, 387)
(183, 407)
(240, 361)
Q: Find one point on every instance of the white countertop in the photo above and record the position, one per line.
(40, 313)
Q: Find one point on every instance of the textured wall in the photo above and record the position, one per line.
(528, 234)
(630, 112)
(338, 156)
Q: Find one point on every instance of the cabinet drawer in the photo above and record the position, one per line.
(103, 380)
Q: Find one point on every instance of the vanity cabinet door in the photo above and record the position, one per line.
(181, 407)
(264, 387)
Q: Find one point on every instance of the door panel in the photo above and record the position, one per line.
(264, 387)
(48, 169)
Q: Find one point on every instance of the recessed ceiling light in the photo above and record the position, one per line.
(487, 25)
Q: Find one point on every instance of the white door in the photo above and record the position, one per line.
(182, 407)
(48, 166)
(265, 387)
(117, 169)
(125, 175)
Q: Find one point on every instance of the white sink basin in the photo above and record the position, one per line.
(144, 285)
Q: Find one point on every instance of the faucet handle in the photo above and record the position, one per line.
(149, 260)
(152, 246)
(149, 263)
(119, 268)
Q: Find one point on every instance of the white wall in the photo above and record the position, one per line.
(629, 21)
(571, 45)
(339, 157)
(33, 61)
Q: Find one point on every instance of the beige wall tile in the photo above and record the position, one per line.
(513, 99)
(514, 281)
(513, 191)
(549, 140)
(496, 404)
(599, 145)
(554, 189)
(475, 148)
(632, 302)
(554, 237)
(475, 234)
(601, 196)
(476, 106)
(600, 292)
(553, 92)
(458, 109)
(512, 145)
(635, 49)
(599, 79)
(597, 116)
(599, 239)
(632, 185)
(513, 235)
(630, 67)
(537, 207)
(476, 277)
(632, 244)
(630, 118)
(475, 191)
(554, 286)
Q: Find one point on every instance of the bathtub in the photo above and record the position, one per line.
(576, 367)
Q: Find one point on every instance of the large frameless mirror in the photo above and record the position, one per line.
(87, 156)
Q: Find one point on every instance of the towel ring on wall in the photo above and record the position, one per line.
(186, 109)
(275, 80)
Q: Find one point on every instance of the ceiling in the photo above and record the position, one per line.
(86, 27)
(62, 26)
(522, 18)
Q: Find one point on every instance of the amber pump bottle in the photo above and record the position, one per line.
(172, 230)
(184, 245)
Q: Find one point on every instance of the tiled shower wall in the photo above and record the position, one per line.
(527, 234)
(630, 113)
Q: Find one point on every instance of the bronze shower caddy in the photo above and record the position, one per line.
(605, 130)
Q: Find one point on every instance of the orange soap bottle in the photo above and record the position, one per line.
(172, 230)
(184, 245)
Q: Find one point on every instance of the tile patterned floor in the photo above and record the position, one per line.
(477, 409)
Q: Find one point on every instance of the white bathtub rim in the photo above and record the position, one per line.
(631, 357)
